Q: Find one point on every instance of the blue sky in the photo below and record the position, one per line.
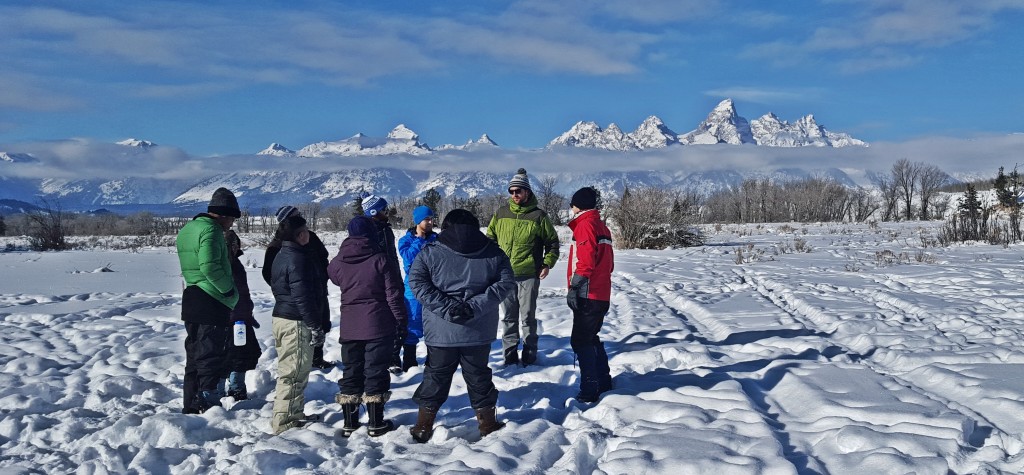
(232, 76)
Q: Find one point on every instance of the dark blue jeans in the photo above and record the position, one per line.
(366, 366)
(440, 369)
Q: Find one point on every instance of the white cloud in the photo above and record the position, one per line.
(769, 96)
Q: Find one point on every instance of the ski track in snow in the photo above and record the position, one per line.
(790, 364)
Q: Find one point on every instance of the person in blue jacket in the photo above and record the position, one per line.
(421, 234)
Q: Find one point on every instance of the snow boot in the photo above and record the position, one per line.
(486, 417)
(205, 400)
(529, 355)
(236, 386)
(408, 357)
(377, 425)
(350, 410)
(424, 428)
(512, 356)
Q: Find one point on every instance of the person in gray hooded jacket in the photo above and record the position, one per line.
(460, 280)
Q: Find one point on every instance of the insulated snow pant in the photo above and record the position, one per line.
(440, 368)
(294, 356)
(587, 318)
(519, 317)
(366, 366)
(205, 357)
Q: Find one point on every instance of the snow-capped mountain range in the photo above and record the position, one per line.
(722, 126)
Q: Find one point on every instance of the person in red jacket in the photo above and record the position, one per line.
(591, 261)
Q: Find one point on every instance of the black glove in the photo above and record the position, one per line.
(460, 313)
(578, 288)
(251, 321)
(318, 338)
(400, 334)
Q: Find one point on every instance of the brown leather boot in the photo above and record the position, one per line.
(424, 428)
(487, 419)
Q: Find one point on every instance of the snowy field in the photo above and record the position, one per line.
(842, 349)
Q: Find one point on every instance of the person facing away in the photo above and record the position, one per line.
(319, 257)
(527, 236)
(376, 208)
(297, 324)
(589, 276)
(409, 246)
(207, 300)
(460, 280)
(372, 312)
(241, 358)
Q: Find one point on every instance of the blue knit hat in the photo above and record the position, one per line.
(373, 204)
(421, 213)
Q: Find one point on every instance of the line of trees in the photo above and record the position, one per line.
(767, 201)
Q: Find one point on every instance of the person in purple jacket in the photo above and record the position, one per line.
(373, 314)
(241, 358)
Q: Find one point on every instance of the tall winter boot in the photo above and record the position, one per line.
(511, 355)
(486, 417)
(424, 428)
(378, 425)
(350, 410)
(408, 357)
(589, 384)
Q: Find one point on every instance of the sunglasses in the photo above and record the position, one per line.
(516, 191)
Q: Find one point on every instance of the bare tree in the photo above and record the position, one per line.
(930, 179)
(549, 200)
(48, 228)
(890, 196)
(905, 177)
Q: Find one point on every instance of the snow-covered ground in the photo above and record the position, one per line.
(844, 349)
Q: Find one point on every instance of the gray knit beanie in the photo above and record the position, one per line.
(520, 180)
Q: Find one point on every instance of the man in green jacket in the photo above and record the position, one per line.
(207, 301)
(526, 234)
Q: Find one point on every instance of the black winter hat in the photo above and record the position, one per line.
(224, 203)
(584, 198)
(459, 216)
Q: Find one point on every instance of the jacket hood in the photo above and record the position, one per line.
(463, 238)
(356, 249)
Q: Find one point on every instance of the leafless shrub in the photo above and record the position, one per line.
(655, 218)
(48, 228)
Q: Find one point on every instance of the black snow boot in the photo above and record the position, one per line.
(511, 356)
(350, 410)
(377, 425)
(529, 355)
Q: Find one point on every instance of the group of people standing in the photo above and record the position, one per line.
(457, 284)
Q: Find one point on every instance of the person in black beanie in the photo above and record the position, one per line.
(319, 257)
(589, 276)
(460, 279)
(207, 301)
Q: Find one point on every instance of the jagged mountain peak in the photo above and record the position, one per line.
(722, 125)
(132, 142)
(401, 132)
(17, 157)
(276, 149)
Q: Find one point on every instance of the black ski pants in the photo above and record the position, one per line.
(440, 369)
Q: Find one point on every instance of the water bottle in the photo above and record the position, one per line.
(239, 333)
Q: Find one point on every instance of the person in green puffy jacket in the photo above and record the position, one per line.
(207, 301)
(527, 236)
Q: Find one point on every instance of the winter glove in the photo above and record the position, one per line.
(460, 313)
(251, 321)
(318, 338)
(578, 289)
